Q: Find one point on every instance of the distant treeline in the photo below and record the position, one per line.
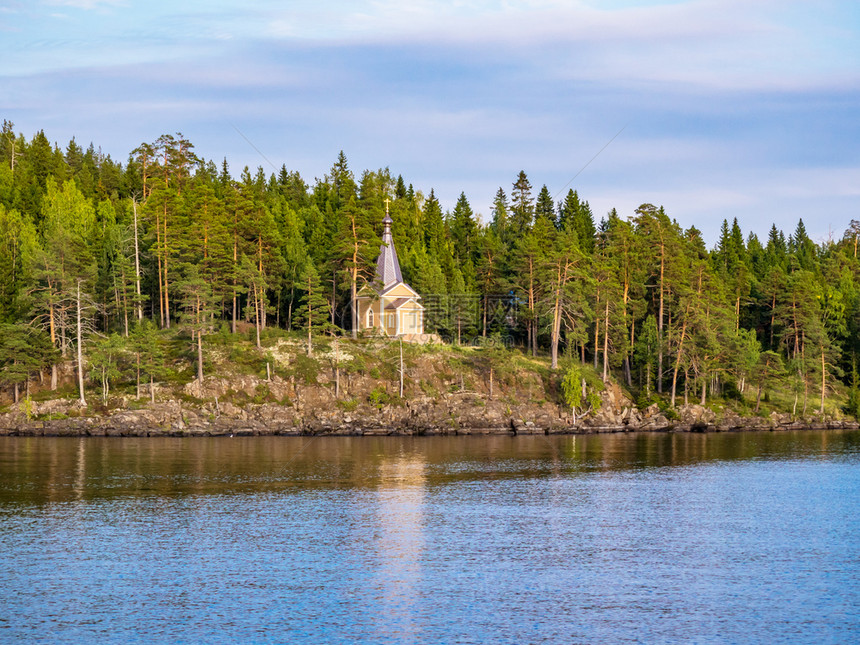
(91, 248)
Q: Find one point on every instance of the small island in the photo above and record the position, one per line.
(163, 296)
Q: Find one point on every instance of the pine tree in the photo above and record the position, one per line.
(564, 274)
(528, 258)
(647, 349)
(356, 252)
(313, 311)
(149, 355)
(197, 305)
(18, 247)
(24, 350)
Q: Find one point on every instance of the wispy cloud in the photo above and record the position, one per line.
(87, 5)
(736, 107)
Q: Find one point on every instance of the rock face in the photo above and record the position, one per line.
(205, 411)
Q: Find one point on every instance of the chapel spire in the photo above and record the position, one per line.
(387, 266)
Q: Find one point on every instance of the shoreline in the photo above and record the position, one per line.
(103, 427)
(315, 412)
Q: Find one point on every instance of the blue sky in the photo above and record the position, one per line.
(729, 108)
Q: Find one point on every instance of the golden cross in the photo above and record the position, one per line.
(386, 205)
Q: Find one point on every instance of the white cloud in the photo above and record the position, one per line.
(87, 5)
(714, 43)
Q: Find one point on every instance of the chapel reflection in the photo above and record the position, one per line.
(401, 493)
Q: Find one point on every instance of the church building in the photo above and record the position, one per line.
(388, 305)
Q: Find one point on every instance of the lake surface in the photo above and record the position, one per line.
(599, 539)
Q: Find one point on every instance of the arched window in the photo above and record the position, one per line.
(370, 318)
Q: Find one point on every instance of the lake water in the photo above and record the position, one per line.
(601, 539)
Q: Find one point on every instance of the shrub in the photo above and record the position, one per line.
(262, 394)
(348, 405)
(379, 397)
(306, 368)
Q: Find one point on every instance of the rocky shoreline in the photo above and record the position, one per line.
(452, 414)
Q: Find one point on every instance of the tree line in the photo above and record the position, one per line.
(97, 257)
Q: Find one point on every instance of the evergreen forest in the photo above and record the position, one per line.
(107, 267)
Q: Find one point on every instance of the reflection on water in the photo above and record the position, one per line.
(612, 538)
(399, 517)
(37, 470)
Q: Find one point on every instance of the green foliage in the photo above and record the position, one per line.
(379, 397)
(170, 238)
(667, 410)
(853, 405)
(571, 387)
(348, 405)
(647, 350)
(24, 350)
(306, 369)
(263, 394)
(106, 356)
(580, 389)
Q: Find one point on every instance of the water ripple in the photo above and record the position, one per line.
(534, 540)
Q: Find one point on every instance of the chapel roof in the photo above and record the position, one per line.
(387, 266)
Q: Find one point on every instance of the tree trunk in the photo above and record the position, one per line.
(678, 359)
(556, 318)
(606, 342)
(805, 380)
(336, 368)
(334, 294)
(80, 348)
(200, 357)
(596, 330)
(261, 312)
(310, 321)
(235, 310)
(199, 343)
(660, 325)
(166, 288)
(484, 331)
(648, 380)
(257, 308)
(137, 266)
(686, 387)
(124, 305)
(823, 380)
(158, 258)
(772, 317)
(235, 266)
(533, 315)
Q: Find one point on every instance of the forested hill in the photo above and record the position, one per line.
(99, 257)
